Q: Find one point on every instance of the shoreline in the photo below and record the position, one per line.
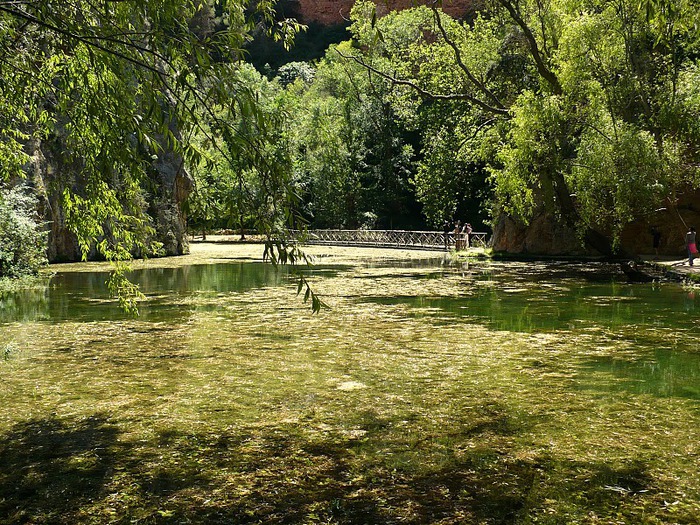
(229, 248)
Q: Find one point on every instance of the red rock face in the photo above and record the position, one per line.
(330, 12)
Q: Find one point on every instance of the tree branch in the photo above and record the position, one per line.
(425, 93)
(458, 57)
(85, 40)
(542, 68)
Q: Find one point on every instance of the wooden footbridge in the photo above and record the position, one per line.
(416, 240)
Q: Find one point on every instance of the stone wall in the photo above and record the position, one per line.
(672, 221)
(544, 235)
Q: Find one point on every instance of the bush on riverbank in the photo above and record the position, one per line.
(22, 239)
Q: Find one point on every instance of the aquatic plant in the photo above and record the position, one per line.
(7, 350)
(493, 393)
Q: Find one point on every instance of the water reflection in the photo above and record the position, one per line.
(83, 296)
(537, 297)
(590, 305)
(24, 305)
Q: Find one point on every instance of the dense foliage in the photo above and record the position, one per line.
(113, 89)
(350, 155)
(22, 241)
(354, 154)
(236, 179)
(120, 82)
(586, 109)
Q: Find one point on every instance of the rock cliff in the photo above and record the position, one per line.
(331, 12)
(50, 172)
(544, 235)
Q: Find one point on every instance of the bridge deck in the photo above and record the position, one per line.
(432, 240)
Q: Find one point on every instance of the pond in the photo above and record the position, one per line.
(428, 392)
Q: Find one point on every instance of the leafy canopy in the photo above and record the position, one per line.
(584, 109)
(119, 86)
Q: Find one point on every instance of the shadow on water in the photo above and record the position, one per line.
(51, 468)
(84, 471)
(663, 373)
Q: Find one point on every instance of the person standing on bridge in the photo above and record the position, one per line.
(467, 231)
(458, 235)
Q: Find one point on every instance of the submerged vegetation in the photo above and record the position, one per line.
(430, 391)
(482, 393)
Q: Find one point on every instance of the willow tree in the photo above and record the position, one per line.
(123, 83)
(354, 157)
(585, 110)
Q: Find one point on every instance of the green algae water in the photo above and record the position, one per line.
(427, 393)
(84, 295)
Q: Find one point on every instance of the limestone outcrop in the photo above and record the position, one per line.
(49, 171)
(545, 235)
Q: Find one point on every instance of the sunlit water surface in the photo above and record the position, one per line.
(649, 331)
(405, 349)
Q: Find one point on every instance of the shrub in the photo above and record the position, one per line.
(22, 239)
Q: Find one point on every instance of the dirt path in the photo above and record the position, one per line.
(222, 249)
(676, 266)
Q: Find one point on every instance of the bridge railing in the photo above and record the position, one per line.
(478, 239)
(396, 238)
